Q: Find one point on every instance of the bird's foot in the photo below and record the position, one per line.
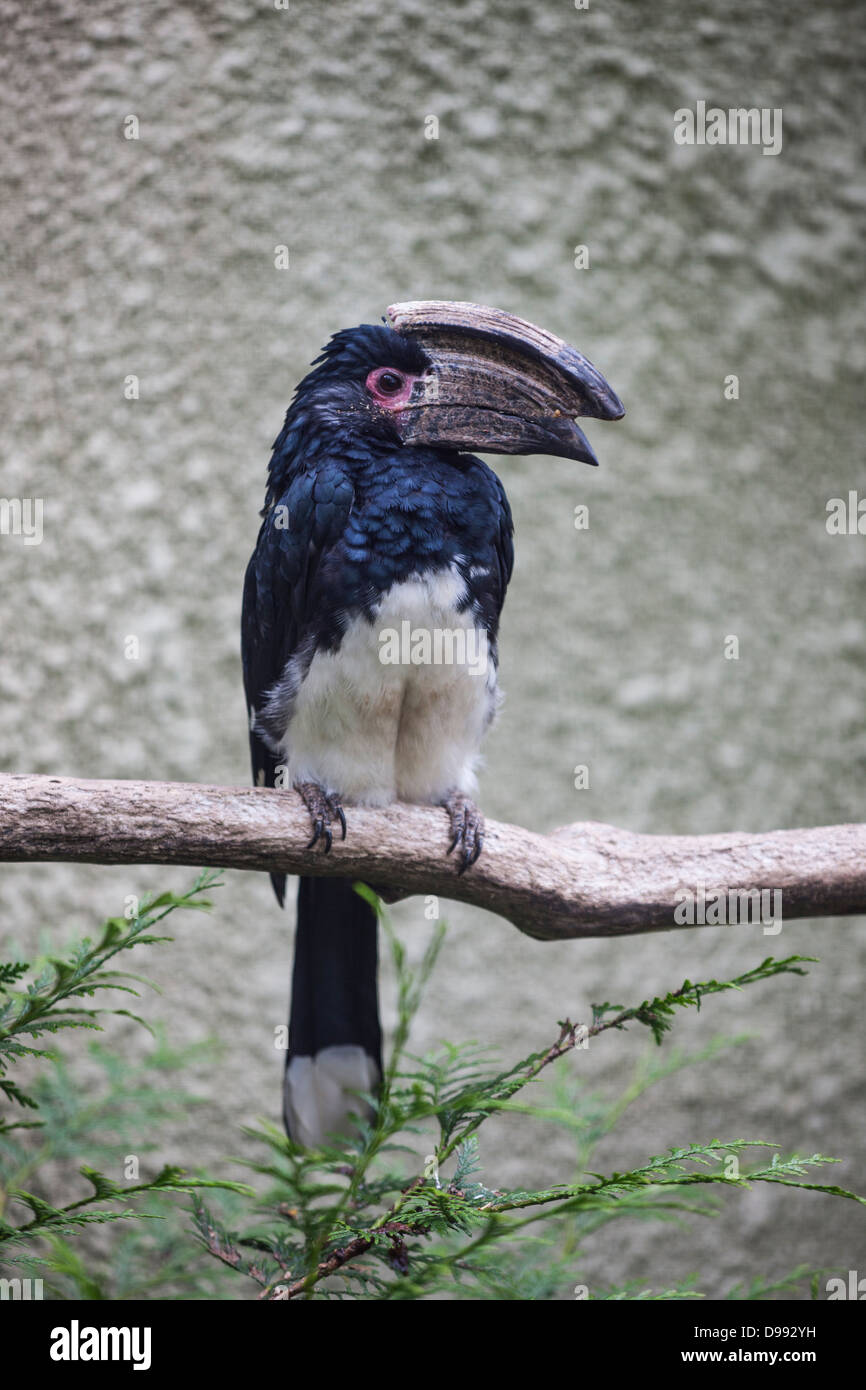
(324, 809)
(467, 829)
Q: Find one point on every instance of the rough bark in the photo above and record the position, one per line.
(586, 879)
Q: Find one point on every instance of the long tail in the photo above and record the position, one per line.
(335, 1039)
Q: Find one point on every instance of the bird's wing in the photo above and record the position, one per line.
(504, 542)
(492, 557)
(276, 627)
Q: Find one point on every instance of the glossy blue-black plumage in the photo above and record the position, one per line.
(349, 512)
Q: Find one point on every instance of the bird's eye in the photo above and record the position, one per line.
(389, 383)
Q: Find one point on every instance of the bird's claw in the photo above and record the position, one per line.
(324, 808)
(321, 831)
(467, 829)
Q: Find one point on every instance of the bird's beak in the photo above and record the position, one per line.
(498, 384)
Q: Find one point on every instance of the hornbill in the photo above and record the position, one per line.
(376, 517)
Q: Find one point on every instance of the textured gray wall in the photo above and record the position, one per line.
(155, 258)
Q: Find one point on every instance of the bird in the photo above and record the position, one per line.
(380, 524)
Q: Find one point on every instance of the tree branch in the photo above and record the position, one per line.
(583, 880)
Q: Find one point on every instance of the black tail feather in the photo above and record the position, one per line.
(278, 883)
(334, 980)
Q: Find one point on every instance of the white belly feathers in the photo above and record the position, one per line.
(399, 711)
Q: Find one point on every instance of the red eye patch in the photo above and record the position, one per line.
(389, 387)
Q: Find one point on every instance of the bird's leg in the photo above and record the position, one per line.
(324, 808)
(467, 828)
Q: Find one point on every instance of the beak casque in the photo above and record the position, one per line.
(497, 383)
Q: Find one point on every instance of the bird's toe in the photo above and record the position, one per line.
(467, 829)
(324, 808)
